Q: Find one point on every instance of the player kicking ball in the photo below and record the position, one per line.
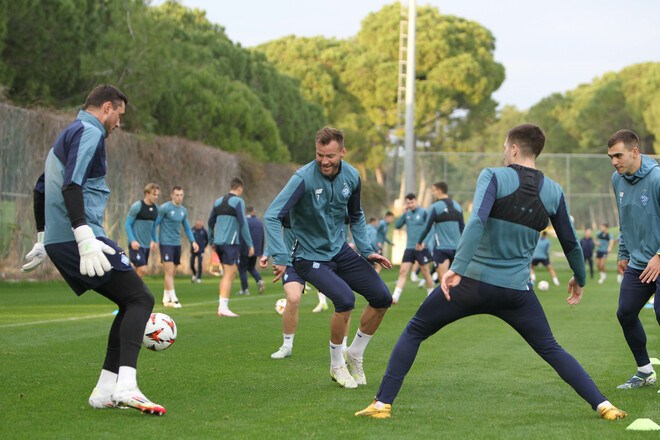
(69, 205)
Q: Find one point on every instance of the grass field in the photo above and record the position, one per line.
(474, 379)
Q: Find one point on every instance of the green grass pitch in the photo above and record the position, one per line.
(474, 379)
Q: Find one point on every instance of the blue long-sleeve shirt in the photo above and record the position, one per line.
(445, 224)
(587, 245)
(500, 236)
(542, 250)
(201, 238)
(226, 228)
(140, 222)
(317, 205)
(169, 221)
(638, 200)
(256, 227)
(415, 222)
(382, 229)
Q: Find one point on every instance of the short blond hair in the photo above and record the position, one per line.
(150, 187)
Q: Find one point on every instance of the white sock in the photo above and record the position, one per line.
(166, 296)
(379, 405)
(397, 294)
(429, 290)
(336, 357)
(344, 344)
(556, 281)
(603, 275)
(288, 340)
(127, 378)
(321, 298)
(604, 404)
(360, 342)
(532, 277)
(224, 304)
(173, 297)
(646, 369)
(107, 382)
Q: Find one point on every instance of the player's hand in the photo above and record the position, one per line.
(195, 247)
(575, 292)
(93, 261)
(379, 259)
(36, 256)
(449, 279)
(278, 271)
(153, 246)
(263, 262)
(251, 252)
(419, 247)
(652, 270)
(622, 265)
(135, 245)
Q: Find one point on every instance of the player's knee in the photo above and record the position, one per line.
(626, 317)
(382, 301)
(343, 304)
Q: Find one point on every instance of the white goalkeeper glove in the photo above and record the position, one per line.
(93, 262)
(36, 256)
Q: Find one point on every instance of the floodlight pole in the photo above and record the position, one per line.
(409, 162)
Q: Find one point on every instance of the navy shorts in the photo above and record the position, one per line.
(291, 276)
(543, 261)
(601, 254)
(410, 255)
(440, 255)
(139, 257)
(66, 258)
(345, 273)
(170, 254)
(228, 253)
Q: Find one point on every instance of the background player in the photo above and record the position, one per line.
(171, 216)
(587, 245)
(383, 226)
(542, 256)
(202, 240)
(605, 243)
(246, 263)
(140, 228)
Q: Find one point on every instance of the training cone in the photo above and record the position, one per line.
(643, 425)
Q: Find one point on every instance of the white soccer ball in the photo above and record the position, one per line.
(544, 285)
(160, 332)
(280, 305)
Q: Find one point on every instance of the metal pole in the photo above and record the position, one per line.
(410, 101)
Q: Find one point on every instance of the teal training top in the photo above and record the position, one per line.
(445, 224)
(638, 200)
(415, 222)
(225, 225)
(382, 229)
(170, 219)
(317, 206)
(542, 251)
(140, 223)
(511, 206)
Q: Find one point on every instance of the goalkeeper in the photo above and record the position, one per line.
(69, 206)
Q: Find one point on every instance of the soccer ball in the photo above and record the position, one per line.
(544, 285)
(280, 305)
(160, 332)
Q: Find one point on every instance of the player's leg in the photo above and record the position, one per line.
(200, 261)
(293, 291)
(322, 305)
(601, 259)
(406, 264)
(553, 274)
(322, 276)
(176, 261)
(192, 267)
(168, 275)
(633, 295)
(522, 310)
(242, 273)
(590, 260)
(426, 274)
(229, 257)
(251, 267)
(135, 302)
(532, 275)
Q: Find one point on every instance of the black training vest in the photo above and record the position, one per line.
(524, 205)
(450, 214)
(223, 208)
(147, 212)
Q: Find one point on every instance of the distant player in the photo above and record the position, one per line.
(542, 256)
(202, 240)
(372, 232)
(414, 219)
(171, 216)
(140, 228)
(636, 183)
(226, 221)
(382, 228)
(247, 263)
(317, 198)
(605, 243)
(445, 222)
(490, 272)
(69, 206)
(587, 245)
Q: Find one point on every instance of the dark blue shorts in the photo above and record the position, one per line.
(440, 255)
(291, 276)
(543, 261)
(139, 257)
(423, 256)
(170, 254)
(345, 273)
(601, 254)
(228, 253)
(66, 258)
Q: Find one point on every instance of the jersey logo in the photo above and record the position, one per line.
(172, 213)
(124, 260)
(151, 209)
(318, 193)
(315, 265)
(346, 192)
(644, 198)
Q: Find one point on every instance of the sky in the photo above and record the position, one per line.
(545, 47)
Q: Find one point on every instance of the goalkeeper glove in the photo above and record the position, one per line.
(93, 262)
(36, 255)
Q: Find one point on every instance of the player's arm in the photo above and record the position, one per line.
(400, 221)
(427, 228)
(358, 223)
(38, 253)
(484, 198)
(570, 244)
(461, 222)
(128, 226)
(278, 209)
(188, 231)
(244, 227)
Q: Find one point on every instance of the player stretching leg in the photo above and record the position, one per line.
(69, 205)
